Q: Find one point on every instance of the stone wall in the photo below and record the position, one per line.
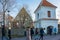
(17, 32)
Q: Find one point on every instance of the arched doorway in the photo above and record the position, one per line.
(49, 28)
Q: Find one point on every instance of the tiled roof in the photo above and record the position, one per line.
(45, 3)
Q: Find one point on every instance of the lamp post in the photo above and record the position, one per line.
(9, 32)
(9, 27)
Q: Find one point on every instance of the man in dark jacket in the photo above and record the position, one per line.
(36, 31)
(9, 34)
(50, 31)
(41, 33)
(31, 32)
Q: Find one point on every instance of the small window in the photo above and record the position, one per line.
(38, 15)
(49, 14)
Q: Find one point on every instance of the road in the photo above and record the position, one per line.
(48, 37)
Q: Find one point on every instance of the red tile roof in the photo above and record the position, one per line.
(45, 3)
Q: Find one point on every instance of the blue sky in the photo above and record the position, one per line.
(32, 5)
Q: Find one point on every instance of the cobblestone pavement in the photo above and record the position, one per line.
(48, 37)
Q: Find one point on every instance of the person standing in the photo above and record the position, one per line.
(3, 33)
(31, 32)
(50, 31)
(9, 34)
(24, 33)
(36, 33)
(55, 31)
(41, 33)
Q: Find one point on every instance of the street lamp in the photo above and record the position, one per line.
(9, 32)
(10, 28)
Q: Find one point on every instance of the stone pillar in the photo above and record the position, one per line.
(28, 34)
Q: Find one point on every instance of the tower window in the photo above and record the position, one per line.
(49, 14)
(38, 15)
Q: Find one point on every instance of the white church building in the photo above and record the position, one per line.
(45, 16)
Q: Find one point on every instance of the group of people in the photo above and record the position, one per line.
(36, 33)
(49, 31)
(39, 33)
(52, 30)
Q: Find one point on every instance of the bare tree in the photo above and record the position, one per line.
(7, 6)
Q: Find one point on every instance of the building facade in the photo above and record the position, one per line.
(45, 16)
(21, 22)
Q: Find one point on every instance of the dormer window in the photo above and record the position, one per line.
(49, 14)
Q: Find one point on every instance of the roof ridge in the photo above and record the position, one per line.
(46, 3)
